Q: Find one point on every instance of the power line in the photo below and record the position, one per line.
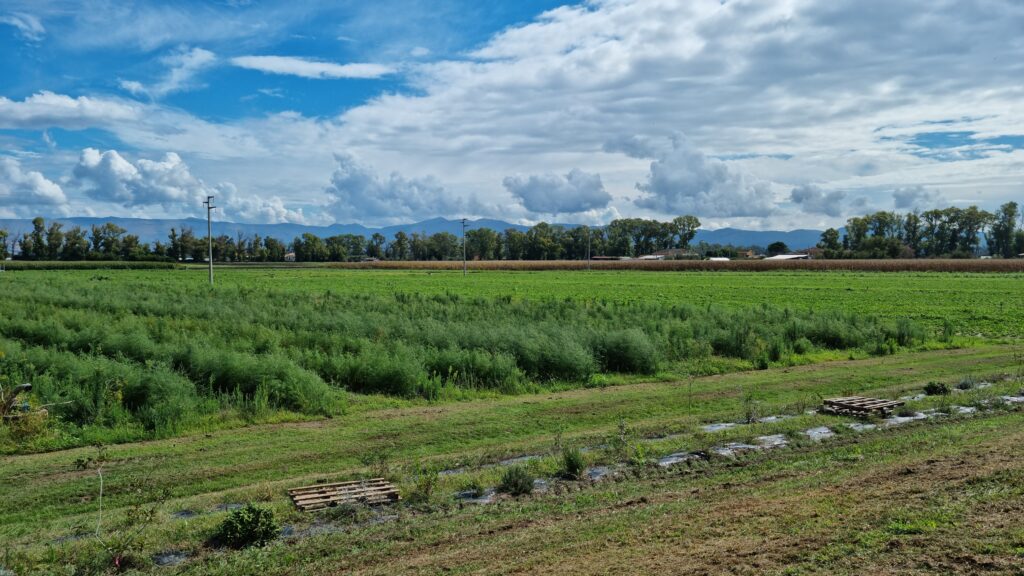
(209, 233)
(463, 246)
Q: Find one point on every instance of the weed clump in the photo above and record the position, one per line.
(516, 481)
(248, 526)
(573, 463)
(936, 389)
(629, 351)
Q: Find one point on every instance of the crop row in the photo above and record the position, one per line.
(108, 355)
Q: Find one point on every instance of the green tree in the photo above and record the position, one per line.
(685, 229)
(830, 243)
(310, 248)
(1000, 236)
(54, 240)
(399, 249)
(33, 244)
(76, 245)
(4, 235)
(911, 233)
(274, 250)
(375, 248)
(337, 249)
(514, 244)
(776, 248)
(542, 242)
(483, 244)
(106, 240)
(444, 246)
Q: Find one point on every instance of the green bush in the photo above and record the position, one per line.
(250, 525)
(627, 351)
(475, 369)
(516, 481)
(802, 345)
(573, 463)
(936, 389)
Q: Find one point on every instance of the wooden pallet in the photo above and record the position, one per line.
(372, 492)
(859, 406)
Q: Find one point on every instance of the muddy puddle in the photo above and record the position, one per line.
(772, 441)
(170, 557)
(820, 433)
(770, 419)
(678, 458)
(901, 420)
(488, 496)
(733, 449)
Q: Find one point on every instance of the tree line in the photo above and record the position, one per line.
(621, 238)
(940, 233)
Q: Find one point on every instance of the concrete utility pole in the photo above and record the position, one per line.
(463, 246)
(209, 233)
(588, 247)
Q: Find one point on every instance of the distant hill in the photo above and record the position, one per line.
(795, 239)
(150, 230)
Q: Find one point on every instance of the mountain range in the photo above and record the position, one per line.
(150, 230)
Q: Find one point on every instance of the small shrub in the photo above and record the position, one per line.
(936, 389)
(803, 346)
(639, 458)
(516, 481)
(905, 412)
(965, 384)
(425, 482)
(628, 351)
(473, 487)
(247, 526)
(573, 463)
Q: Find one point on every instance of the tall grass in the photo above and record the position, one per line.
(158, 359)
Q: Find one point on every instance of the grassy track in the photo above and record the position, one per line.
(790, 506)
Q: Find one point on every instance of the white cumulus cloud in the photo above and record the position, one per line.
(814, 200)
(169, 182)
(24, 190)
(916, 198)
(307, 68)
(575, 192)
(46, 109)
(684, 180)
(357, 192)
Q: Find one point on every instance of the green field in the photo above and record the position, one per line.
(280, 378)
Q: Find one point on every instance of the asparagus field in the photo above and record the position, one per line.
(122, 355)
(528, 411)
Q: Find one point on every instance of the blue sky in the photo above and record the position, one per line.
(754, 113)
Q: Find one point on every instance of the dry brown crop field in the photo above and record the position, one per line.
(922, 265)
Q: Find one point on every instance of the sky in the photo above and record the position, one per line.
(760, 114)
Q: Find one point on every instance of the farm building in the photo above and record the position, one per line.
(676, 254)
(789, 257)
